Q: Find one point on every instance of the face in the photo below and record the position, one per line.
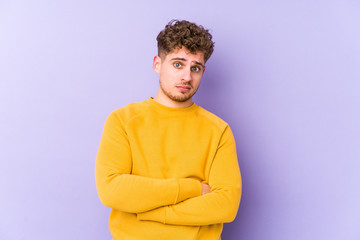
(180, 73)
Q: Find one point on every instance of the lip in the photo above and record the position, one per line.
(183, 88)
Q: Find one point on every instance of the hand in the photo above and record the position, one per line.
(205, 188)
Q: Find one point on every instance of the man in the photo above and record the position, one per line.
(167, 167)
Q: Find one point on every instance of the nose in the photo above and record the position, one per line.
(187, 75)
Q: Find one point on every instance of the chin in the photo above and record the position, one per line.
(180, 98)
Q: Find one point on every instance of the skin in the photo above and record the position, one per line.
(180, 73)
(205, 188)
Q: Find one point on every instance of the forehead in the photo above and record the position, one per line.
(186, 54)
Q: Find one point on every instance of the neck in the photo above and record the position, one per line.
(166, 101)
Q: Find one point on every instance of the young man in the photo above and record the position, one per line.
(167, 167)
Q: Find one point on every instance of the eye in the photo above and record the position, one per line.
(195, 69)
(177, 64)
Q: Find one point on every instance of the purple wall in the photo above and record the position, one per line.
(285, 75)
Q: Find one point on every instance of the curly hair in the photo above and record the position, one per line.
(177, 34)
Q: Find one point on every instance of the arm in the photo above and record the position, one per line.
(218, 206)
(120, 190)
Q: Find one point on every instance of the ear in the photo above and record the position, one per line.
(204, 69)
(157, 64)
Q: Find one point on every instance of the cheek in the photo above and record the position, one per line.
(170, 76)
(167, 79)
(197, 80)
(198, 77)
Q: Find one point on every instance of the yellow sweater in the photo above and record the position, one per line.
(149, 166)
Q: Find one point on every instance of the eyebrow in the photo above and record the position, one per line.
(183, 59)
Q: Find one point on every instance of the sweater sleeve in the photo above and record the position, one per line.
(119, 189)
(218, 206)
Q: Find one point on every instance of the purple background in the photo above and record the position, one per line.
(284, 74)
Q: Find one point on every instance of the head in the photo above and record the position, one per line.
(178, 34)
(183, 49)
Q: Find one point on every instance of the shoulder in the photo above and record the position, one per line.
(129, 111)
(219, 125)
(212, 119)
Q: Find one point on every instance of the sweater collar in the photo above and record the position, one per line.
(167, 109)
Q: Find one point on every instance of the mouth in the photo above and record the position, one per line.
(183, 88)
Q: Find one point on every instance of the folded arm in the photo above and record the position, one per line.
(218, 206)
(120, 190)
